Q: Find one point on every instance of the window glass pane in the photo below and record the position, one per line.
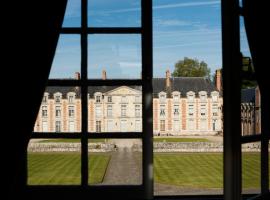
(58, 113)
(73, 14)
(67, 59)
(115, 161)
(250, 94)
(54, 162)
(119, 109)
(251, 168)
(114, 56)
(114, 13)
(188, 142)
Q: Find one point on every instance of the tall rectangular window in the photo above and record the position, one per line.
(44, 111)
(176, 125)
(162, 125)
(123, 125)
(109, 99)
(176, 110)
(57, 111)
(138, 126)
(71, 126)
(98, 126)
(44, 126)
(123, 110)
(137, 110)
(110, 126)
(57, 126)
(71, 111)
(203, 109)
(70, 99)
(191, 110)
(109, 110)
(98, 111)
(162, 110)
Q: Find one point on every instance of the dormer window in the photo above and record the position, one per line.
(71, 98)
(214, 96)
(190, 96)
(57, 98)
(109, 99)
(176, 96)
(203, 95)
(98, 97)
(45, 98)
(162, 97)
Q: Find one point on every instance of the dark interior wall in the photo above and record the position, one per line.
(34, 29)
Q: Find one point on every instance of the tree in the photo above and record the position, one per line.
(191, 68)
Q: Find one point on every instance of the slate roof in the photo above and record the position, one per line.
(248, 95)
(181, 84)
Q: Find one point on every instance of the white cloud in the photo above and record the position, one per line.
(165, 6)
(172, 22)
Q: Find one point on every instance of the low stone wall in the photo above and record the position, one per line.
(69, 147)
(196, 147)
(158, 147)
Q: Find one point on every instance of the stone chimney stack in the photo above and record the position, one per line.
(77, 76)
(218, 80)
(168, 81)
(104, 75)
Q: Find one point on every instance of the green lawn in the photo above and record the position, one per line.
(202, 170)
(164, 139)
(195, 170)
(72, 140)
(64, 168)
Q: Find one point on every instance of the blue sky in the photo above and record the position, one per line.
(181, 28)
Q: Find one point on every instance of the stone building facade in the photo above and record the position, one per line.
(181, 106)
(251, 111)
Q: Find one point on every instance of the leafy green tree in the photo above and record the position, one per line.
(191, 68)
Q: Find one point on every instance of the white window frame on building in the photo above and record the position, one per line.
(138, 125)
(44, 125)
(57, 97)
(162, 110)
(58, 111)
(176, 112)
(190, 96)
(191, 110)
(214, 96)
(123, 110)
(71, 111)
(203, 96)
(124, 99)
(176, 96)
(109, 110)
(71, 126)
(162, 125)
(45, 98)
(137, 110)
(176, 125)
(162, 97)
(98, 111)
(203, 109)
(71, 97)
(98, 126)
(58, 127)
(109, 99)
(110, 125)
(98, 97)
(123, 126)
(44, 111)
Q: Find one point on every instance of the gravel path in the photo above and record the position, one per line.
(125, 168)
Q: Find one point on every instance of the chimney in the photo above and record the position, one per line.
(168, 81)
(104, 75)
(218, 80)
(77, 76)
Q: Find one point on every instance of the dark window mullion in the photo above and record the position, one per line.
(147, 97)
(84, 99)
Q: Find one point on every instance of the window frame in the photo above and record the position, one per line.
(145, 190)
(231, 116)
